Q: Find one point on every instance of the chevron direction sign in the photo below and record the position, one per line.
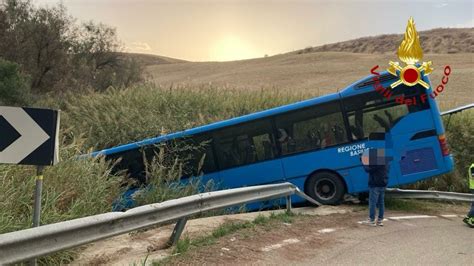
(28, 136)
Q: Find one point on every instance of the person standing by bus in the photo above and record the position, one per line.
(469, 220)
(376, 165)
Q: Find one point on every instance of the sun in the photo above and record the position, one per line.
(231, 47)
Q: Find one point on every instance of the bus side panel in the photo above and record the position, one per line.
(253, 174)
(360, 179)
(300, 166)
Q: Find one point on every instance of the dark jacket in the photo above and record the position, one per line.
(378, 175)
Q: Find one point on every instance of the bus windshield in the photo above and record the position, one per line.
(372, 112)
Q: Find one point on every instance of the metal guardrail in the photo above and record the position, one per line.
(428, 194)
(35, 242)
(458, 109)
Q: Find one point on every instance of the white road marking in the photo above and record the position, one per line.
(279, 245)
(272, 247)
(408, 224)
(411, 217)
(326, 230)
(365, 221)
(291, 241)
(449, 216)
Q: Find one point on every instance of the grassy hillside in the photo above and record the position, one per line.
(435, 41)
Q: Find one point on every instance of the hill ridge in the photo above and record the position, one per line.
(434, 41)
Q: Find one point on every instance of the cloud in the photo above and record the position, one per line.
(440, 5)
(139, 47)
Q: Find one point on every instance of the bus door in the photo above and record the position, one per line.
(246, 155)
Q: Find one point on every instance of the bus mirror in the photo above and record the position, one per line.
(377, 136)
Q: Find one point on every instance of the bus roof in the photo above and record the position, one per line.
(350, 90)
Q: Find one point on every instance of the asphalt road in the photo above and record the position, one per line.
(413, 241)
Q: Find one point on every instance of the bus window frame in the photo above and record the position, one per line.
(272, 138)
(336, 102)
(392, 102)
(192, 137)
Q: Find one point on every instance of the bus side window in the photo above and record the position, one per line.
(370, 112)
(196, 154)
(244, 144)
(312, 128)
(131, 162)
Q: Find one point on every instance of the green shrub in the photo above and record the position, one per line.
(14, 87)
(61, 55)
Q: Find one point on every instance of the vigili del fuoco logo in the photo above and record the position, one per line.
(412, 73)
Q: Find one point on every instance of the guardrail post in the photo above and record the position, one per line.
(288, 203)
(177, 231)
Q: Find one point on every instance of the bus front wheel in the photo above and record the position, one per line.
(325, 187)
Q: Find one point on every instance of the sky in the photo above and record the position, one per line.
(224, 30)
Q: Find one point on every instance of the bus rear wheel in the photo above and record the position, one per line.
(325, 187)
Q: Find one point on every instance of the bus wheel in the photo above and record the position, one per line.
(326, 188)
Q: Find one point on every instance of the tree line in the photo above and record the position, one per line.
(43, 49)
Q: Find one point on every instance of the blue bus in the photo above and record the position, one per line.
(314, 144)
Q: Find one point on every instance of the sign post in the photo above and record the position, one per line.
(38, 191)
(29, 136)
